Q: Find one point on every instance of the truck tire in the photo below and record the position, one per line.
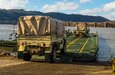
(26, 56)
(63, 51)
(53, 54)
(51, 57)
(20, 55)
(47, 57)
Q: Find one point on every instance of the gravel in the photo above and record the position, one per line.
(10, 61)
(42, 68)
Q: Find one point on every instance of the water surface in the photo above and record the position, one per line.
(6, 30)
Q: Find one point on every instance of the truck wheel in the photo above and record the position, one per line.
(51, 57)
(47, 57)
(53, 54)
(63, 51)
(20, 55)
(26, 56)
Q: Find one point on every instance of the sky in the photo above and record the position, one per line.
(105, 8)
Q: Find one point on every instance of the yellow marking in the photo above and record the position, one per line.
(84, 45)
(73, 42)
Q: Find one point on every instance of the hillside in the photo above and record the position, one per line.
(11, 16)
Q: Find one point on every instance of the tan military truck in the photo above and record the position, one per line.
(40, 35)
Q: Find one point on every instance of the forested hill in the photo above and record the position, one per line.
(11, 16)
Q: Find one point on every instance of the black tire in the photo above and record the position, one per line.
(20, 55)
(51, 57)
(26, 56)
(53, 54)
(47, 57)
(63, 51)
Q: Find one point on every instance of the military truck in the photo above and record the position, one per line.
(42, 36)
(82, 28)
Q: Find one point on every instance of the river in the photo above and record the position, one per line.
(6, 30)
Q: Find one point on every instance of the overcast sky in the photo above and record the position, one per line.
(105, 8)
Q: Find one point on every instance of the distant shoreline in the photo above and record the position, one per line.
(7, 24)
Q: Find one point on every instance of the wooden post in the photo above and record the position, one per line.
(95, 24)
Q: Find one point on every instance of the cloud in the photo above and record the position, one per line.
(60, 6)
(112, 16)
(113, 13)
(108, 9)
(13, 4)
(84, 1)
(93, 11)
(109, 6)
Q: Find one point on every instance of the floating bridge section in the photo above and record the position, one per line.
(82, 48)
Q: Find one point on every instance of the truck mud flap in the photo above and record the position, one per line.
(20, 55)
